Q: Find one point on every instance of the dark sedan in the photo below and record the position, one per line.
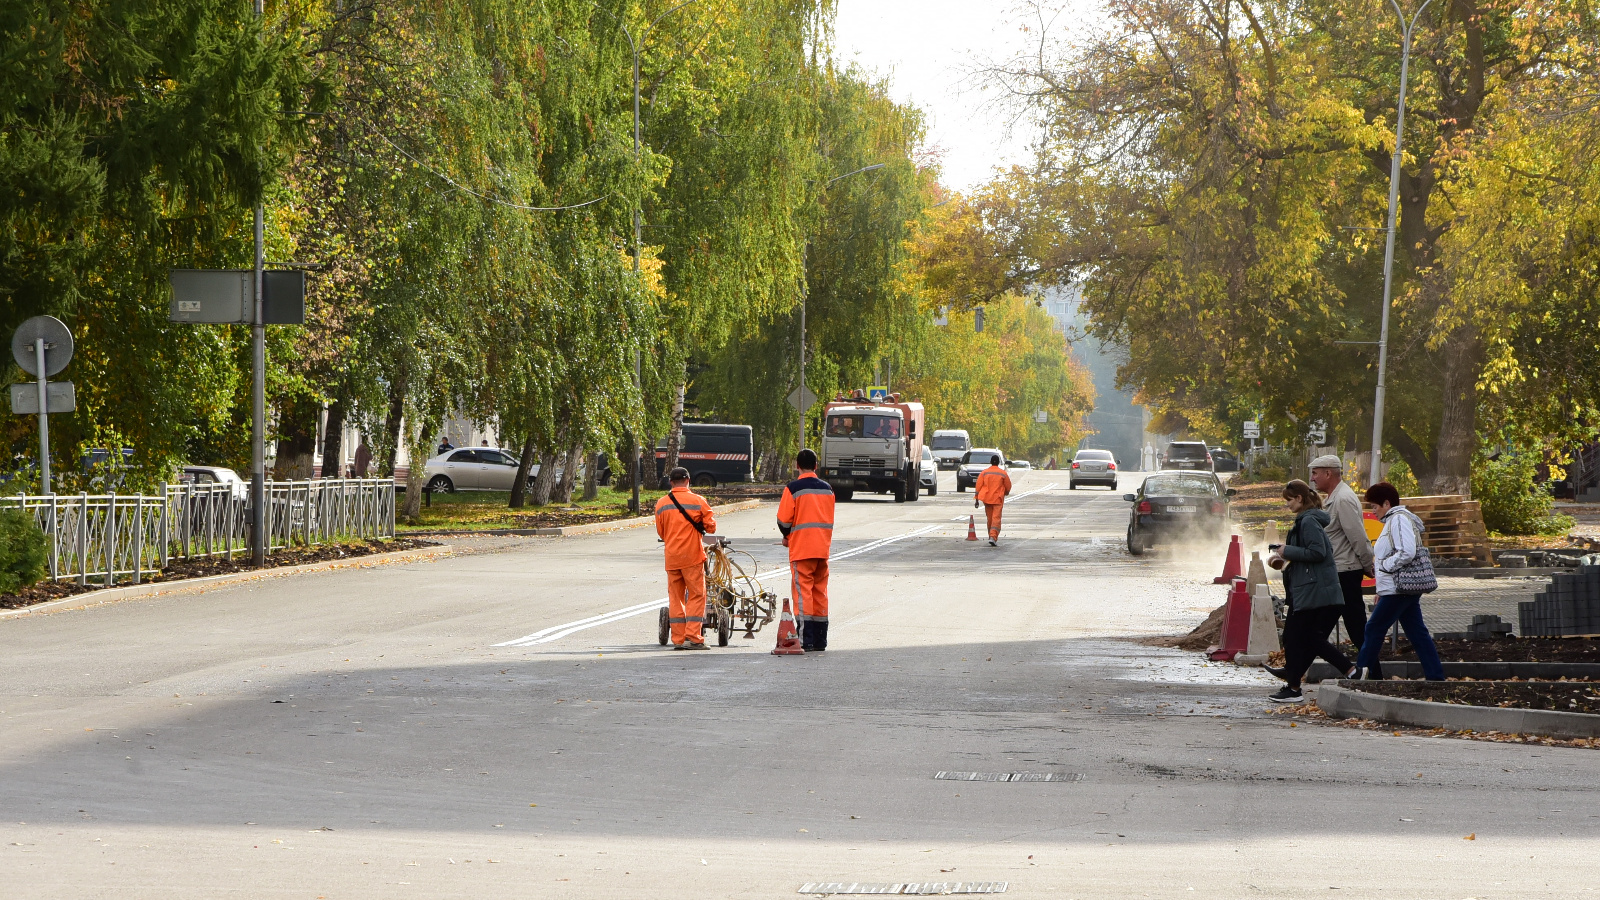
(1174, 505)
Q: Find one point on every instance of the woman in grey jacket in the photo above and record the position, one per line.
(1399, 544)
(1311, 585)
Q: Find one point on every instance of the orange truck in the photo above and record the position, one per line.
(873, 445)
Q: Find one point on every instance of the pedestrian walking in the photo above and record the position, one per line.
(363, 460)
(1311, 586)
(1404, 574)
(682, 519)
(805, 518)
(1347, 532)
(992, 488)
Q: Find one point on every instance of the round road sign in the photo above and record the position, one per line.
(57, 345)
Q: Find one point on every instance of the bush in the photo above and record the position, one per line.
(24, 555)
(1512, 502)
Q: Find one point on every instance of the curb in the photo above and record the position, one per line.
(1410, 669)
(571, 530)
(112, 595)
(1341, 702)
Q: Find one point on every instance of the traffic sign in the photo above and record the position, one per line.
(60, 396)
(1041, 416)
(1252, 430)
(227, 296)
(801, 398)
(57, 345)
(877, 393)
(1318, 433)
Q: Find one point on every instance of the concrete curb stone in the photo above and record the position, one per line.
(1482, 671)
(571, 530)
(1342, 702)
(112, 595)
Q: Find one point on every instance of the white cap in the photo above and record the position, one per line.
(1327, 461)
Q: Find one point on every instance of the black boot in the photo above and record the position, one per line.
(814, 638)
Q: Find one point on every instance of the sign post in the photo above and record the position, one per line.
(42, 347)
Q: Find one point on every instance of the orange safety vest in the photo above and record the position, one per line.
(684, 548)
(993, 485)
(805, 516)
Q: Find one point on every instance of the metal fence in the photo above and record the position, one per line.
(108, 537)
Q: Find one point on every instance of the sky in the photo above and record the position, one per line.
(928, 48)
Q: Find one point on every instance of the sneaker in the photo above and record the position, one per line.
(679, 647)
(1353, 674)
(1275, 672)
(692, 645)
(993, 544)
(1286, 695)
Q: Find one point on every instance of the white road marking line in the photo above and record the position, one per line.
(557, 632)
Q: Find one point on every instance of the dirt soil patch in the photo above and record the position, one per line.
(1559, 696)
(1255, 504)
(180, 570)
(1544, 650)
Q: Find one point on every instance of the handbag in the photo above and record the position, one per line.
(1416, 576)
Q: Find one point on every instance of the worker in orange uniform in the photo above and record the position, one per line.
(682, 518)
(992, 488)
(805, 516)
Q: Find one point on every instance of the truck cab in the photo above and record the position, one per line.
(873, 446)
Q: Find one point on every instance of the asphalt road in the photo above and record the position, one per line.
(371, 734)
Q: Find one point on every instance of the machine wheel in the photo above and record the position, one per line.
(843, 495)
(1072, 485)
(900, 492)
(960, 488)
(442, 484)
(664, 628)
(1136, 546)
(934, 491)
(705, 480)
(724, 627)
(914, 485)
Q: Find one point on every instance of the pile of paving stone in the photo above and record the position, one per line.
(1569, 606)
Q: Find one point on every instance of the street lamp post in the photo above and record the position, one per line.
(638, 226)
(258, 390)
(805, 292)
(1407, 28)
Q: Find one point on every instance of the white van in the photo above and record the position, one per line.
(949, 445)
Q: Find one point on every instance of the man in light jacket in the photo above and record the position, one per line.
(1352, 553)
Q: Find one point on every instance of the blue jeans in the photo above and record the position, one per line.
(1407, 610)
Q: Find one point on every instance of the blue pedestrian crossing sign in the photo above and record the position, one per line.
(877, 394)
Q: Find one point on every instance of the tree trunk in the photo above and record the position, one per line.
(390, 448)
(333, 441)
(1458, 436)
(1422, 465)
(569, 475)
(544, 483)
(675, 430)
(591, 478)
(622, 470)
(519, 485)
(297, 441)
(417, 446)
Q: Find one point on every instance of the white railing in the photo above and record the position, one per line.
(108, 537)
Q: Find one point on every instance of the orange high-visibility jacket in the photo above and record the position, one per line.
(805, 516)
(993, 485)
(684, 548)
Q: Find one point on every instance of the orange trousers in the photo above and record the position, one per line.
(991, 511)
(810, 581)
(686, 604)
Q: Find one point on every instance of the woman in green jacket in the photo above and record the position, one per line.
(1311, 586)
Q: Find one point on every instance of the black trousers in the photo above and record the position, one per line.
(1355, 606)
(1305, 637)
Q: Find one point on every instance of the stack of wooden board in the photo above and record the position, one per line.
(1455, 527)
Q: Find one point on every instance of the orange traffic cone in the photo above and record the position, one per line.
(1233, 567)
(1235, 637)
(788, 638)
(972, 528)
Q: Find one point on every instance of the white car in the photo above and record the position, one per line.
(216, 475)
(930, 472)
(472, 469)
(1093, 467)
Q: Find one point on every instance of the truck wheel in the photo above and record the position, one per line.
(913, 484)
(843, 495)
(705, 480)
(900, 492)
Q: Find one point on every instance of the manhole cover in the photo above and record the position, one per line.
(1008, 776)
(924, 889)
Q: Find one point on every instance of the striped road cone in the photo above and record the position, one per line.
(972, 528)
(788, 638)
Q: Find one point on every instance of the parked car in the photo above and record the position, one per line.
(949, 445)
(930, 472)
(713, 454)
(1093, 467)
(471, 469)
(1223, 460)
(1173, 505)
(1018, 464)
(1191, 455)
(973, 462)
(240, 488)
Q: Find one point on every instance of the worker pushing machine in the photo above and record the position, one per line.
(682, 519)
(992, 489)
(805, 516)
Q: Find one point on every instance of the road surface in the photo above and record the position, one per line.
(409, 731)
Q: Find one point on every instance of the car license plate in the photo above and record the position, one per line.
(1180, 509)
(860, 472)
